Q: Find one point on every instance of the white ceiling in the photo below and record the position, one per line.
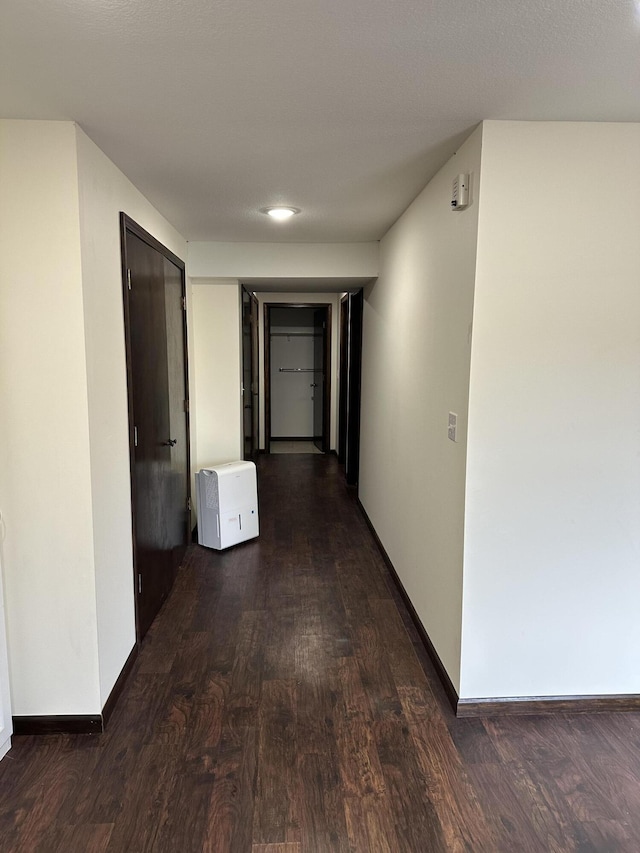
(292, 285)
(343, 108)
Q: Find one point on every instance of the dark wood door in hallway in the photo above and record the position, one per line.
(281, 703)
(155, 335)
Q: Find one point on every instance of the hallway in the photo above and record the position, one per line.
(280, 705)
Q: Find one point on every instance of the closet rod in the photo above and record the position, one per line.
(296, 370)
(296, 334)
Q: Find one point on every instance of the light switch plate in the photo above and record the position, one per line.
(452, 431)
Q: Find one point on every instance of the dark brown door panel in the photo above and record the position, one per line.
(158, 413)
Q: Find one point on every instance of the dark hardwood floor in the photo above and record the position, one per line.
(282, 703)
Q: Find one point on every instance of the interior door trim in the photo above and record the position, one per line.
(128, 225)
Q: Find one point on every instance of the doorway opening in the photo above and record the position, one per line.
(297, 377)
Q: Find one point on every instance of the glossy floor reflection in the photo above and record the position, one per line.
(282, 703)
(293, 447)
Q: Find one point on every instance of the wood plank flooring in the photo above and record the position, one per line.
(282, 703)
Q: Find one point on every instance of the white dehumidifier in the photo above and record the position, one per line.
(227, 504)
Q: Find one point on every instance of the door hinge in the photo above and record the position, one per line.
(189, 504)
(129, 279)
(135, 436)
(186, 405)
(139, 584)
(184, 303)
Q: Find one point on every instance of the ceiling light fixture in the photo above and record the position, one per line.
(280, 213)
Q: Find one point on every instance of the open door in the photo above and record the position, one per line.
(247, 397)
(250, 383)
(352, 449)
(343, 407)
(255, 375)
(321, 367)
(351, 310)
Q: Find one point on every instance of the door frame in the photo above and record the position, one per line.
(131, 226)
(326, 425)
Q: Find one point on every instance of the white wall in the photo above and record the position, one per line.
(332, 299)
(552, 552)
(45, 480)
(287, 264)
(104, 192)
(283, 260)
(64, 459)
(416, 351)
(217, 370)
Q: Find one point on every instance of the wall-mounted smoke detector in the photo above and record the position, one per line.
(460, 192)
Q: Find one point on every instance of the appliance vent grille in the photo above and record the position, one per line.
(212, 492)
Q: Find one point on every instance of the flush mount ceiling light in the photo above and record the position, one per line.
(280, 213)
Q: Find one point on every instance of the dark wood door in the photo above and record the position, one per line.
(158, 416)
(352, 450)
(255, 374)
(319, 332)
(178, 511)
(322, 377)
(247, 390)
(344, 379)
(250, 378)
